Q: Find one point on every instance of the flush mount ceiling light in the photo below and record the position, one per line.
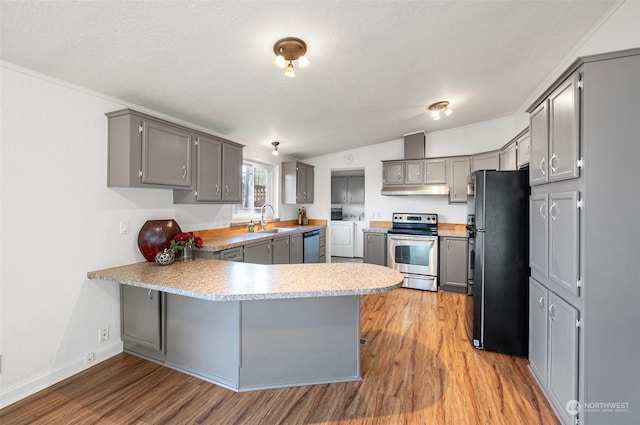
(435, 109)
(275, 148)
(287, 50)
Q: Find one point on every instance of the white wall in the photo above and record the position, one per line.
(59, 220)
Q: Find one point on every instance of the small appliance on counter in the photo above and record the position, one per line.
(412, 249)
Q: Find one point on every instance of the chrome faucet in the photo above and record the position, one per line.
(262, 214)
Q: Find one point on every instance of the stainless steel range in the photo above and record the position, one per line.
(413, 249)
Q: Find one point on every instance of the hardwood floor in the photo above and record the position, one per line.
(418, 367)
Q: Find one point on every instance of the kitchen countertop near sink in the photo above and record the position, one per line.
(220, 242)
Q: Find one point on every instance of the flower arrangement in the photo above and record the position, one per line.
(180, 240)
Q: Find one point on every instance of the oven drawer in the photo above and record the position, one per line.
(416, 281)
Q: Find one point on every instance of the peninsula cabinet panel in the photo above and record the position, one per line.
(143, 321)
(148, 152)
(196, 346)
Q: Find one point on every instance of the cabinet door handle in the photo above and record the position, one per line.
(286, 243)
(217, 189)
(184, 171)
(552, 312)
(553, 168)
(368, 238)
(268, 248)
(542, 170)
(543, 209)
(541, 303)
(150, 294)
(553, 208)
(226, 189)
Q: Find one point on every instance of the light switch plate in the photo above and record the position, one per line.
(124, 227)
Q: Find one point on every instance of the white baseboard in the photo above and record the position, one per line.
(23, 390)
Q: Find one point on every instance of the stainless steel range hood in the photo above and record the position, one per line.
(427, 189)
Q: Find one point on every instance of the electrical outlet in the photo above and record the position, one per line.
(103, 335)
(124, 227)
(88, 358)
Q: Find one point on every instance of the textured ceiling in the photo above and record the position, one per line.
(375, 66)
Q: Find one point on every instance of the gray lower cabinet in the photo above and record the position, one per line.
(453, 264)
(281, 251)
(375, 248)
(233, 254)
(296, 253)
(148, 152)
(553, 346)
(258, 253)
(143, 321)
(459, 177)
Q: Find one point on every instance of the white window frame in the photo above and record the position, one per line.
(242, 214)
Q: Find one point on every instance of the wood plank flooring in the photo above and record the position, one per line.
(418, 367)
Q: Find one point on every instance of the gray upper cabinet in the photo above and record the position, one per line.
(296, 249)
(524, 150)
(413, 172)
(258, 253)
(297, 183)
(460, 175)
(486, 161)
(564, 110)
(435, 171)
(555, 134)
(375, 248)
(392, 173)
(231, 173)
(347, 190)
(539, 141)
(281, 250)
(218, 165)
(148, 152)
(508, 157)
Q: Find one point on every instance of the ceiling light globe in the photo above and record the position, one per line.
(303, 62)
(275, 152)
(289, 72)
(279, 62)
(435, 115)
(448, 111)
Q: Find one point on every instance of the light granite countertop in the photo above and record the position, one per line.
(218, 280)
(222, 242)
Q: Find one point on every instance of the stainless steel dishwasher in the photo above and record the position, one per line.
(311, 246)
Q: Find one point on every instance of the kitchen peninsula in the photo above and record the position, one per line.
(250, 326)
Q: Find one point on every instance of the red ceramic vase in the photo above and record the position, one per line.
(156, 235)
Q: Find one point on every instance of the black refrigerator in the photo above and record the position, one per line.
(499, 309)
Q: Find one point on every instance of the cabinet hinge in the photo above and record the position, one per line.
(580, 83)
(580, 204)
(196, 142)
(579, 323)
(140, 129)
(579, 283)
(580, 163)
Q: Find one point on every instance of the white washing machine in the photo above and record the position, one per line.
(342, 238)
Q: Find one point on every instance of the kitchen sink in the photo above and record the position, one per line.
(278, 230)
